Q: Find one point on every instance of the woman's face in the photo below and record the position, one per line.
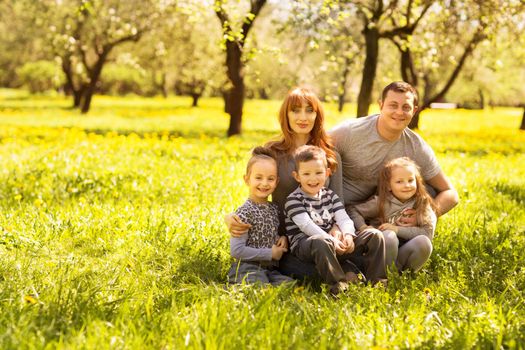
(302, 118)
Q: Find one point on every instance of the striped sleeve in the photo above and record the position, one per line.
(294, 206)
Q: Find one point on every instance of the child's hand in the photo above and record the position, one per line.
(235, 226)
(387, 226)
(340, 246)
(349, 241)
(336, 233)
(282, 242)
(277, 252)
(407, 218)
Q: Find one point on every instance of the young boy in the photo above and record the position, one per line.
(311, 211)
(258, 251)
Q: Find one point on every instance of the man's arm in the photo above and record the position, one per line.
(447, 196)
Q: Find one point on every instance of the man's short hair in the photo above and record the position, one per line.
(400, 86)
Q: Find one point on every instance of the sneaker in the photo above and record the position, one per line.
(338, 287)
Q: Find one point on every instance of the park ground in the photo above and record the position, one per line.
(111, 235)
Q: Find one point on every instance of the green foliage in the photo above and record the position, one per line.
(41, 76)
(111, 236)
(120, 79)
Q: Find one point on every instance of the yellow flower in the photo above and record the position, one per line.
(38, 202)
(30, 299)
(18, 197)
(427, 291)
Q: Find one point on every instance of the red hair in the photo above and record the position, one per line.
(423, 199)
(318, 136)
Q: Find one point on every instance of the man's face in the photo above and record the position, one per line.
(397, 110)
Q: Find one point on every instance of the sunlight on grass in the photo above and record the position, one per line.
(111, 235)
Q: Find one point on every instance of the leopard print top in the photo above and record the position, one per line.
(264, 219)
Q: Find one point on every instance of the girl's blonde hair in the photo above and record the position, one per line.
(423, 199)
(318, 136)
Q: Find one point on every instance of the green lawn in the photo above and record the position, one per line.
(111, 235)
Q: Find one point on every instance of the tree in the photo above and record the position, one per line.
(459, 27)
(83, 34)
(19, 42)
(234, 42)
(330, 28)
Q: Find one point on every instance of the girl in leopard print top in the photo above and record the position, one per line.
(256, 253)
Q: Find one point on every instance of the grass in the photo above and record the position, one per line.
(111, 235)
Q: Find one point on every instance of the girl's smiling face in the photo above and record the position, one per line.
(403, 183)
(261, 179)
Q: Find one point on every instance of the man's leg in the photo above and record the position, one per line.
(370, 244)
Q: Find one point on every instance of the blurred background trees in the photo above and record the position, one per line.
(467, 52)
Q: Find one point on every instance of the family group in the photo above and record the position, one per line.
(347, 204)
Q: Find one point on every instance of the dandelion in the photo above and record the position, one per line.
(38, 202)
(18, 197)
(428, 293)
(29, 299)
(298, 289)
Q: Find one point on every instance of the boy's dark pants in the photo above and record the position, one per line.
(316, 255)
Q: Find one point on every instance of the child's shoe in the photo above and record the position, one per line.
(337, 288)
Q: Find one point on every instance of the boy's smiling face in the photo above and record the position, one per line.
(312, 175)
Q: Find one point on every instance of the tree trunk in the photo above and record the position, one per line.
(195, 99)
(342, 87)
(408, 73)
(77, 97)
(226, 98)
(93, 80)
(369, 71)
(481, 99)
(522, 126)
(236, 93)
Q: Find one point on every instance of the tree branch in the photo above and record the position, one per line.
(256, 6)
(476, 39)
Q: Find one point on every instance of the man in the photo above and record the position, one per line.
(365, 144)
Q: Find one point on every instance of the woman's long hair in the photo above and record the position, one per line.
(423, 199)
(318, 136)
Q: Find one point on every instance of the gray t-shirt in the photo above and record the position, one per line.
(363, 152)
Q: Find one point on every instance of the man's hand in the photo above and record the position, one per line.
(282, 242)
(277, 252)
(407, 218)
(235, 226)
(387, 226)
